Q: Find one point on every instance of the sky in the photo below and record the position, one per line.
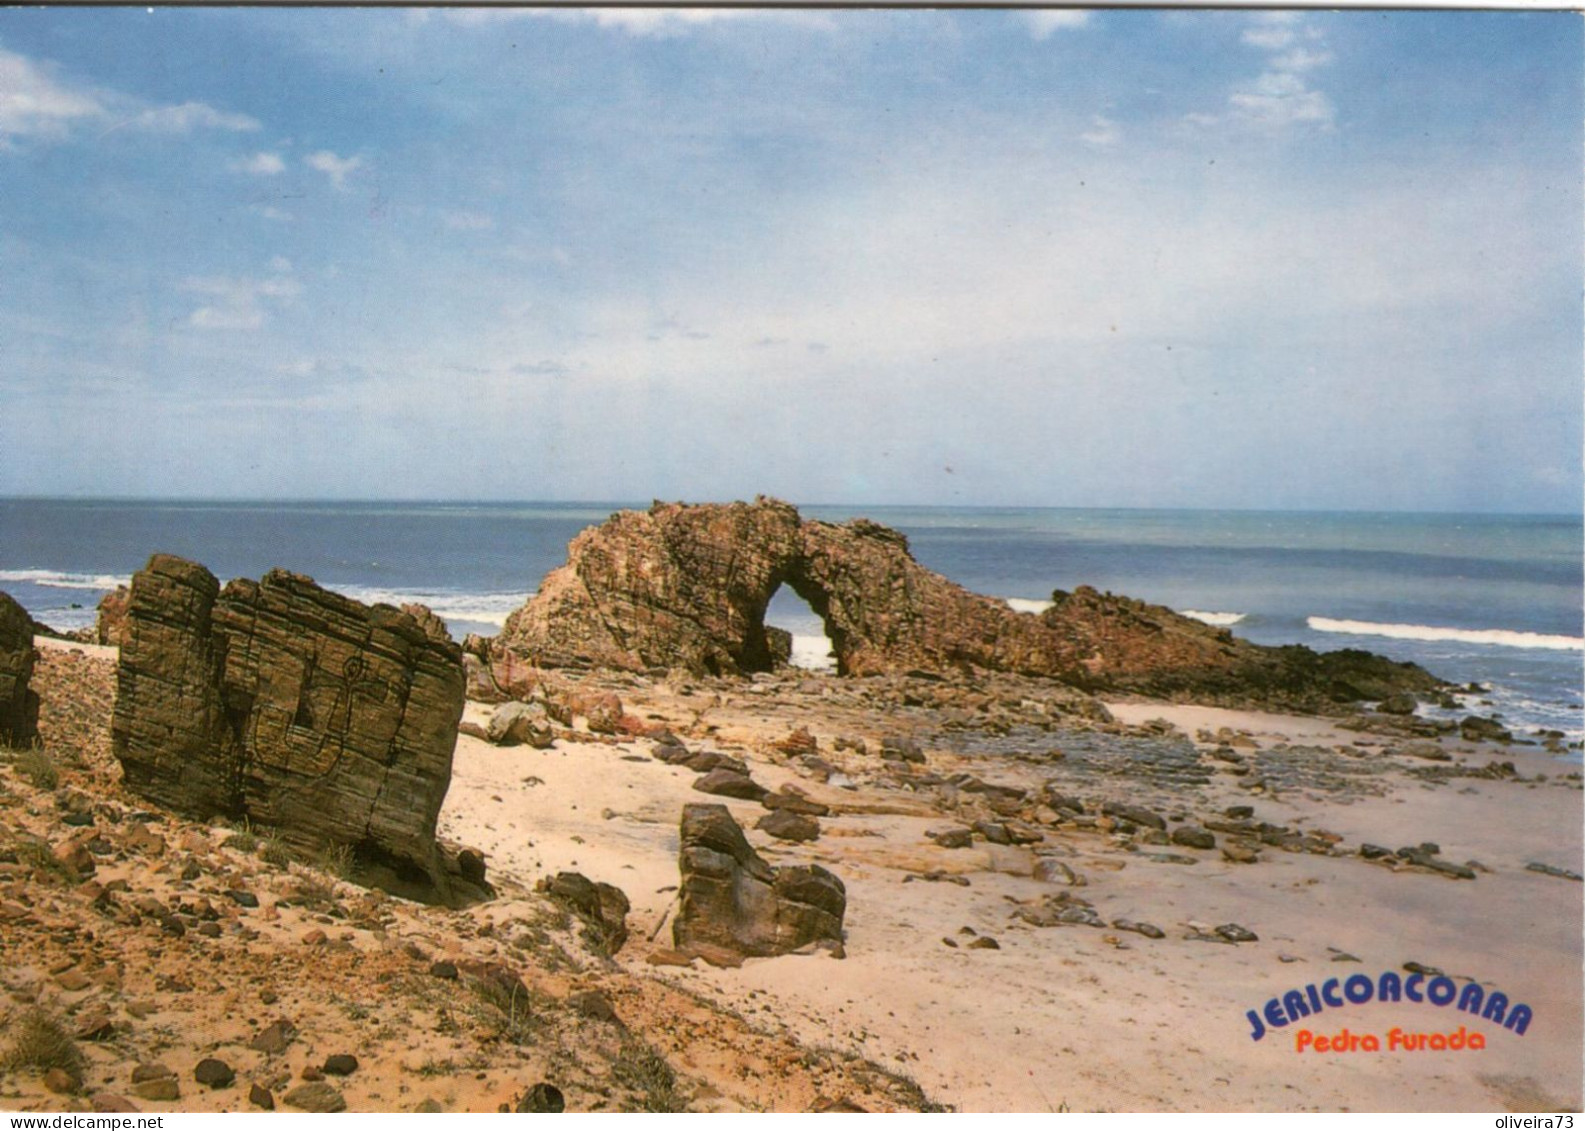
(1277, 260)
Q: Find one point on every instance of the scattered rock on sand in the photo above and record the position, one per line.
(784, 825)
(730, 783)
(730, 898)
(214, 1073)
(317, 1096)
(541, 1099)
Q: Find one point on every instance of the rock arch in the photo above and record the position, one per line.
(688, 586)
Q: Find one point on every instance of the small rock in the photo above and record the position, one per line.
(729, 783)
(61, 1082)
(428, 1106)
(1239, 853)
(593, 1004)
(446, 971)
(311, 1073)
(1233, 933)
(340, 1064)
(1192, 836)
(985, 942)
(1149, 930)
(158, 1088)
(953, 838)
(273, 1038)
(783, 824)
(541, 1099)
(243, 898)
(214, 1073)
(317, 1097)
(261, 1097)
(1550, 870)
(155, 1071)
(107, 1103)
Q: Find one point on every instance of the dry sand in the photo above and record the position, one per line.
(1088, 1018)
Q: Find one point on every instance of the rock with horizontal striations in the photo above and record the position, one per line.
(731, 899)
(19, 704)
(330, 721)
(687, 587)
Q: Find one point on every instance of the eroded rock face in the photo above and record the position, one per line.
(687, 586)
(19, 706)
(731, 899)
(330, 721)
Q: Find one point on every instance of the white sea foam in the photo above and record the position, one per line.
(1026, 605)
(475, 608)
(57, 579)
(1220, 620)
(1498, 636)
(812, 653)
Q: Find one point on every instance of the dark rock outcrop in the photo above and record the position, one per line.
(602, 907)
(19, 704)
(731, 899)
(682, 586)
(111, 616)
(329, 721)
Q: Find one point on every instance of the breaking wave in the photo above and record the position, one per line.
(475, 608)
(57, 579)
(1220, 620)
(1497, 636)
(1026, 605)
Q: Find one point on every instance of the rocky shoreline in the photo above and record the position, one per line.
(274, 849)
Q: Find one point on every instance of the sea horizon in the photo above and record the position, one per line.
(631, 504)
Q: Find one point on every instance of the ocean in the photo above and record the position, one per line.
(1490, 599)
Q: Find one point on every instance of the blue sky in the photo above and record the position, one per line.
(1112, 258)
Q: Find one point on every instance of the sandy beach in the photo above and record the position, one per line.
(1045, 1017)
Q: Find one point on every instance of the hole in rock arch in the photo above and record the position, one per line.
(811, 647)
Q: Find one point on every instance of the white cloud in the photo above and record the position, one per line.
(338, 169)
(36, 102)
(1041, 24)
(33, 103)
(190, 116)
(1301, 59)
(259, 165)
(1280, 97)
(240, 303)
(1102, 132)
(651, 22)
(1268, 38)
(270, 212)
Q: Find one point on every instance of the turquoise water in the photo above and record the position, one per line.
(1493, 599)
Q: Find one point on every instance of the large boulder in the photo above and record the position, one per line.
(730, 899)
(330, 721)
(682, 586)
(19, 705)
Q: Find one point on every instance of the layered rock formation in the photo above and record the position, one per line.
(329, 721)
(688, 586)
(731, 900)
(19, 706)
